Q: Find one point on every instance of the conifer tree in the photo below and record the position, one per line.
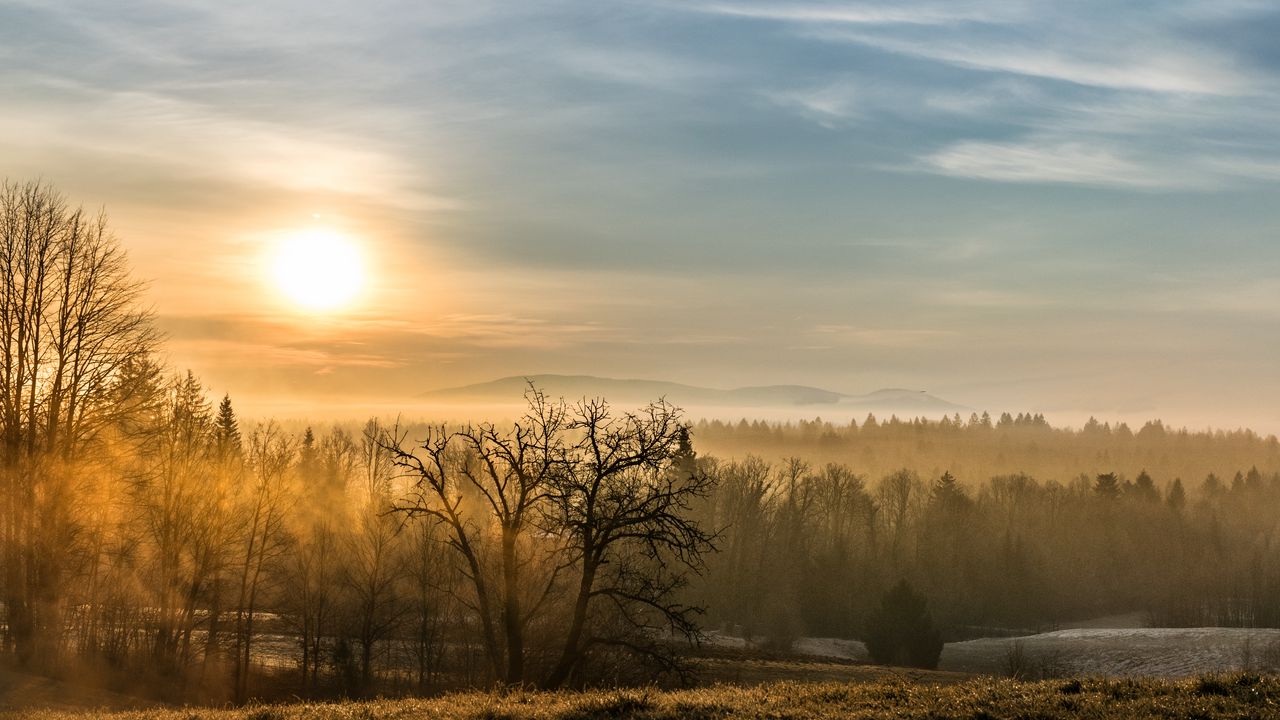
(227, 442)
(901, 631)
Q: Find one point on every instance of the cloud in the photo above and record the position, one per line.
(1052, 162)
(878, 336)
(642, 68)
(1103, 46)
(1119, 97)
(182, 138)
(831, 106)
(856, 13)
(1265, 168)
(1138, 65)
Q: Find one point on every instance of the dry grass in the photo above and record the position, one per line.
(1236, 696)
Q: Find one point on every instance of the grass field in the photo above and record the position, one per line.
(1227, 696)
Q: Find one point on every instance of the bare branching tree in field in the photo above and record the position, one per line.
(571, 511)
(70, 325)
(622, 507)
(489, 489)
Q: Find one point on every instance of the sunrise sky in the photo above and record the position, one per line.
(1060, 207)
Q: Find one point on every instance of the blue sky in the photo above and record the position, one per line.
(1068, 207)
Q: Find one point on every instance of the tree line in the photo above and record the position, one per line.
(810, 550)
(981, 446)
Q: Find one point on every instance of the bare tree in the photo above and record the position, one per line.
(373, 570)
(314, 560)
(70, 324)
(264, 504)
(480, 482)
(581, 505)
(622, 503)
(168, 492)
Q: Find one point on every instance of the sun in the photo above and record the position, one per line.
(319, 269)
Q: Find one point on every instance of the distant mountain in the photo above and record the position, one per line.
(511, 389)
(904, 399)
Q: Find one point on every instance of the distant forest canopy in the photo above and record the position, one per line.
(809, 549)
(1008, 524)
(979, 447)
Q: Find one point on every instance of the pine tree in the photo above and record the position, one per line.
(226, 436)
(1106, 486)
(308, 455)
(1177, 498)
(685, 459)
(1144, 488)
(948, 493)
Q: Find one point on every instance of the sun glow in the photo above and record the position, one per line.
(318, 269)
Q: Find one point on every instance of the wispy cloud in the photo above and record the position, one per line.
(638, 67)
(1053, 162)
(831, 105)
(1146, 66)
(191, 139)
(858, 13)
(877, 336)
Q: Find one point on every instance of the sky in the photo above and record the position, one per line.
(1062, 207)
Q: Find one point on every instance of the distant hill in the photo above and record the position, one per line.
(511, 390)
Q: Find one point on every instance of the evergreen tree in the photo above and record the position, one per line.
(308, 455)
(1177, 498)
(1144, 488)
(947, 492)
(226, 435)
(901, 632)
(1106, 486)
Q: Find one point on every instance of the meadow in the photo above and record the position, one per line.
(1218, 696)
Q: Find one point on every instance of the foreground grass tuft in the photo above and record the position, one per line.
(1210, 697)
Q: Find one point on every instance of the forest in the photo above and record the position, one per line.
(152, 538)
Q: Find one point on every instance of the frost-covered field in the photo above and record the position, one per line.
(1128, 652)
(1151, 652)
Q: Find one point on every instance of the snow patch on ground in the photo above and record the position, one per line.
(1116, 652)
(1129, 652)
(831, 647)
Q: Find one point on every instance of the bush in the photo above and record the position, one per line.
(901, 631)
